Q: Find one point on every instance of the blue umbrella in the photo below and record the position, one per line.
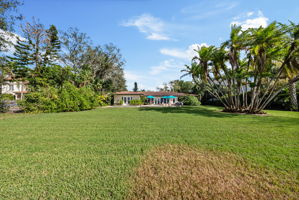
(150, 97)
(169, 97)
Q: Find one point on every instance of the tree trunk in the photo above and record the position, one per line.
(293, 96)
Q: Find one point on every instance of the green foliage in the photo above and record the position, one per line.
(104, 100)
(121, 102)
(52, 46)
(189, 100)
(244, 71)
(8, 97)
(22, 56)
(43, 100)
(54, 76)
(182, 86)
(136, 102)
(68, 98)
(101, 67)
(143, 98)
(3, 107)
(282, 100)
(3, 99)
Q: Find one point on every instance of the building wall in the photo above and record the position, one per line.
(14, 88)
(118, 97)
(160, 100)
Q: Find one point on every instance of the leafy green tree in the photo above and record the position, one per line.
(182, 86)
(99, 66)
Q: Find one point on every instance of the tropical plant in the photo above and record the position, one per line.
(104, 100)
(136, 102)
(189, 100)
(67, 98)
(245, 72)
(291, 69)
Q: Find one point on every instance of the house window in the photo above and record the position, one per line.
(11, 87)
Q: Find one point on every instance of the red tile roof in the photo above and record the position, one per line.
(151, 93)
(129, 93)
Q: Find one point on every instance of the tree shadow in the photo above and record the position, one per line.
(203, 111)
(215, 112)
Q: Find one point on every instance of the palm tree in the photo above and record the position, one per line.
(193, 70)
(245, 72)
(291, 69)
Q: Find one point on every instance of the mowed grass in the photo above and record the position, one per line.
(93, 154)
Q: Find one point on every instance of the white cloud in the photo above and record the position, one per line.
(259, 20)
(249, 14)
(186, 54)
(207, 9)
(166, 65)
(12, 38)
(157, 36)
(152, 27)
(132, 76)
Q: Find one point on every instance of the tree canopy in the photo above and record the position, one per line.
(245, 73)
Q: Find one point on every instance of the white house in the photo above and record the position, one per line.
(151, 97)
(14, 87)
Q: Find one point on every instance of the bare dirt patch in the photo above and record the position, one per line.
(180, 172)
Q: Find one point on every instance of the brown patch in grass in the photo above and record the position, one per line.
(179, 172)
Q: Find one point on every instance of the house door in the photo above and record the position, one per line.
(125, 99)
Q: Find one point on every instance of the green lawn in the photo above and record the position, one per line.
(88, 155)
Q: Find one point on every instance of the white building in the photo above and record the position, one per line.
(169, 98)
(13, 87)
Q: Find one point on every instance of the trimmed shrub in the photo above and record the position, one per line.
(104, 100)
(8, 97)
(43, 100)
(4, 99)
(68, 98)
(189, 100)
(136, 102)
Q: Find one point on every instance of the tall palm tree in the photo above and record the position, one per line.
(193, 70)
(292, 66)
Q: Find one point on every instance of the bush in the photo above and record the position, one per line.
(104, 100)
(43, 100)
(4, 98)
(136, 102)
(8, 97)
(68, 98)
(189, 100)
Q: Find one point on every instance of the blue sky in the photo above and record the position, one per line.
(156, 37)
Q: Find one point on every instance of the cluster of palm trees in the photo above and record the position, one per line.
(246, 72)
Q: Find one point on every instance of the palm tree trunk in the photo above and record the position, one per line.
(293, 96)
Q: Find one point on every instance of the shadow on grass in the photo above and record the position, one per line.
(216, 113)
(203, 111)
